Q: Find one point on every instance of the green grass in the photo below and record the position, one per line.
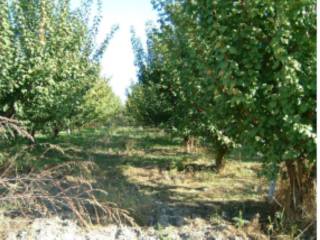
(139, 168)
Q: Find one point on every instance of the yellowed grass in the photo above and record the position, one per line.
(140, 167)
(236, 182)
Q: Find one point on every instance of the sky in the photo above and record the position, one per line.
(118, 61)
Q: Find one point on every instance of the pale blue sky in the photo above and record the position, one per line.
(118, 62)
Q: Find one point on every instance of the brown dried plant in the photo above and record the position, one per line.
(51, 191)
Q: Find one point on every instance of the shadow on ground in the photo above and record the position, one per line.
(149, 155)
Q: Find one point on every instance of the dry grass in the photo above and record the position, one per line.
(230, 185)
(35, 192)
(142, 170)
(52, 192)
(7, 224)
(301, 225)
(147, 170)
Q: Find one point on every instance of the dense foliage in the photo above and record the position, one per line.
(49, 62)
(236, 73)
(100, 105)
(145, 102)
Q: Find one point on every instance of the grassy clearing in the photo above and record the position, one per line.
(142, 170)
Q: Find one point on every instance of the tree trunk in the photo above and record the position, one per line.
(33, 132)
(193, 144)
(55, 132)
(295, 180)
(190, 143)
(301, 188)
(187, 142)
(220, 161)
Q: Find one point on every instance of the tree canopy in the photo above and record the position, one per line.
(49, 61)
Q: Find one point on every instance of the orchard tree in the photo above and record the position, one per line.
(187, 82)
(145, 101)
(263, 56)
(6, 60)
(100, 105)
(257, 61)
(241, 74)
(54, 62)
